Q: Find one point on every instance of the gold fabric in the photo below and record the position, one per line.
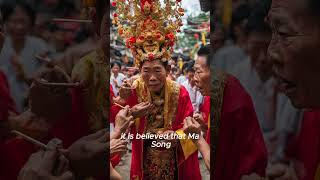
(159, 163)
(94, 70)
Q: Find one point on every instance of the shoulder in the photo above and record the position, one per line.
(84, 65)
(235, 96)
(87, 59)
(36, 41)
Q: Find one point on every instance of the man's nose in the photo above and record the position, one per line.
(152, 78)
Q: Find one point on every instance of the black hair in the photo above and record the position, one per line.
(190, 67)
(256, 20)
(116, 63)
(8, 9)
(101, 8)
(185, 66)
(239, 15)
(205, 51)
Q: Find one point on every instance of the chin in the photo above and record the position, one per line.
(304, 103)
(154, 89)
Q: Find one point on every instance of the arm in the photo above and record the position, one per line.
(204, 149)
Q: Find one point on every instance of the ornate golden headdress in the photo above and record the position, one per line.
(148, 29)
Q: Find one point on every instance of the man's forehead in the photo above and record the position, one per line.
(281, 8)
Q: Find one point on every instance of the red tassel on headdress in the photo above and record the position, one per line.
(143, 2)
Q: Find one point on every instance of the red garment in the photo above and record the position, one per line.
(6, 102)
(205, 110)
(241, 148)
(305, 147)
(189, 168)
(113, 109)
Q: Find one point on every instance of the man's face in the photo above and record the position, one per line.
(18, 23)
(202, 76)
(115, 69)
(257, 49)
(154, 75)
(294, 51)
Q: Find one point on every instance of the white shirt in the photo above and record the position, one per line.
(195, 96)
(119, 79)
(181, 79)
(227, 57)
(33, 46)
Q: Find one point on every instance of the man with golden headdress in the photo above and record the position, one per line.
(161, 105)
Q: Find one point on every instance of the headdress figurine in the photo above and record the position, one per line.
(148, 28)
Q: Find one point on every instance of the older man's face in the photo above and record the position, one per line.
(294, 51)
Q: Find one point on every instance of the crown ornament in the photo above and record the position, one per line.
(148, 27)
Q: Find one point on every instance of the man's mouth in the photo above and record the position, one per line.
(286, 85)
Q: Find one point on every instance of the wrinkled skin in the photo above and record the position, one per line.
(258, 43)
(46, 165)
(294, 51)
(154, 75)
(202, 76)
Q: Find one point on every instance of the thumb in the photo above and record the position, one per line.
(67, 176)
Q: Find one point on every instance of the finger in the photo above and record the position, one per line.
(195, 122)
(276, 171)
(96, 135)
(34, 158)
(188, 121)
(119, 148)
(49, 158)
(103, 138)
(62, 165)
(67, 176)
(56, 143)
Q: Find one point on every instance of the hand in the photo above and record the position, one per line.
(191, 126)
(281, 172)
(115, 82)
(199, 118)
(88, 155)
(124, 119)
(252, 177)
(125, 90)
(141, 110)
(43, 95)
(30, 124)
(46, 165)
(118, 146)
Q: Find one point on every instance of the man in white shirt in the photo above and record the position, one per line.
(116, 78)
(189, 84)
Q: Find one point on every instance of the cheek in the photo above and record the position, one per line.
(145, 77)
(301, 56)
